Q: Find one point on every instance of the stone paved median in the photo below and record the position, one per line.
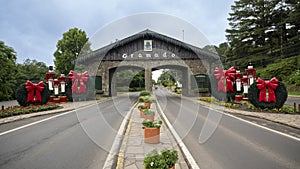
(133, 149)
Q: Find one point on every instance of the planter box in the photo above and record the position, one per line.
(238, 98)
(63, 98)
(141, 113)
(51, 99)
(56, 100)
(151, 135)
(245, 99)
(148, 104)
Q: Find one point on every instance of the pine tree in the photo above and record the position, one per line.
(263, 29)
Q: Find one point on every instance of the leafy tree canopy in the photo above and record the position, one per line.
(73, 44)
(32, 70)
(8, 71)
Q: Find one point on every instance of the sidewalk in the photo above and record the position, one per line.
(133, 149)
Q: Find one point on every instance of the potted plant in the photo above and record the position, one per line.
(142, 109)
(151, 131)
(147, 101)
(145, 93)
(165, 160)
(148, 114)
(142, 98)
(170, 157)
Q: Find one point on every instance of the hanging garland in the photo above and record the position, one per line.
(268, 94)
(222, 87)
(32, 94)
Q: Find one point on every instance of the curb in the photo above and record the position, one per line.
(185, 152)
(117, 150)
(120, 161)
(295, 96)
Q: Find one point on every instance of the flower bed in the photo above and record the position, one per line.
(17, 110)
(248, 106)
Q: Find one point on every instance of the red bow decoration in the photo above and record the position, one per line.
(36, 89)
(263, 85)
(227, 75)
(81, 78)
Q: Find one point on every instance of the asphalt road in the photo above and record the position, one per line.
(77, 140)
(234, 144)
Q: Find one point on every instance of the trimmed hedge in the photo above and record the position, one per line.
(145, 93)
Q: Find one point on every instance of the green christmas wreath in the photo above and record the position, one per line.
(22, 96)
(280, 94)
(82, 96)
(220, 95)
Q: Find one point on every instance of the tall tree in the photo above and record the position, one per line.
(249, 23)
(73, 44)
(8, 71)
(263, 29)
(31, 70)
(166, 78)
(293, 22)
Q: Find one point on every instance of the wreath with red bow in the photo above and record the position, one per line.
(79, 86)
(268, 94)
(32, 93)
(222, 87)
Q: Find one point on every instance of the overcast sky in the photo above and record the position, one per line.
(33, 27)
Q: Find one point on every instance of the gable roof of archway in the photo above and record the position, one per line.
(203, 54)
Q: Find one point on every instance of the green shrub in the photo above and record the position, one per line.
(17, 110)
(149, 99)
(150, 124)
(148, 112)
(141, 98)
(145, 93)
(142, 107)
(165, 160)
(203, 90)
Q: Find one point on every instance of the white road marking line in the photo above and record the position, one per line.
(249, 122)
(43, 120)
(183, 147)
(263, 127)
(34, 123)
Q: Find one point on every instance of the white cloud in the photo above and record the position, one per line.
(33, 27)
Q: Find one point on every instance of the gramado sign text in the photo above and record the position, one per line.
(152, 55)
